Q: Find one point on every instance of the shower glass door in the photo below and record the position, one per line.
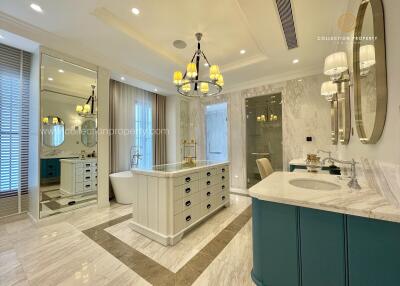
(263, 134)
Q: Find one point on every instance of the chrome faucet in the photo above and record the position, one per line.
(329, 158)
(135, 157)
(353, 184)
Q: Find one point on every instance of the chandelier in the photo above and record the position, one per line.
(190, 85)
(87, 110)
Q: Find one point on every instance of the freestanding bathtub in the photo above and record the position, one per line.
(123, 184)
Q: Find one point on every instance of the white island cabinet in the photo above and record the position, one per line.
(170, 199)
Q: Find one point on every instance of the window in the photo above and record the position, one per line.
(143, 133)
(14, 121)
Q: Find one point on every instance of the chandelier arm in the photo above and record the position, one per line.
(204, 56)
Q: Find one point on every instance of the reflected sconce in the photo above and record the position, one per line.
(329, 90)
(45, 120)
(336, 67)
(367, 59)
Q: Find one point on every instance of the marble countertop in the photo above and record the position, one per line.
(176, 169)
(302, 162)
(365, 202)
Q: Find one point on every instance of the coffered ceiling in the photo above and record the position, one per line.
(139, 47)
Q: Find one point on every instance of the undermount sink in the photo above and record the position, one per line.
(314, 184)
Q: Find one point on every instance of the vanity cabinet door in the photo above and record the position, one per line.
(323, 251)
(275, 244)
(373, 252)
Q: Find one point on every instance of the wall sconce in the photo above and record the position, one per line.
(367, 59)
(329, 90)
(337, 69)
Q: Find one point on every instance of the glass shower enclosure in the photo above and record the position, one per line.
(263, 134)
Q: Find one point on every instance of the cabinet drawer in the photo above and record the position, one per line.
(87, 165)
(87, 171)
(185, 190)
(186, 203)
(208, 206)
(221, 198)
(78, 188)
(186, 179)
(209, 172)
(209, 181)
(88, 177)
(207, 193)
(87, 186)
(186, 218)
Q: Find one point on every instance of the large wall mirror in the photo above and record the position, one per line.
(68, 164)
(369, 65)
(334, 120)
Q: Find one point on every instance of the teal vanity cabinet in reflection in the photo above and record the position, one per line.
(296, 246)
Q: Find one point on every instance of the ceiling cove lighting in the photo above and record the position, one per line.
(295, 61)
(135, 11)
(242, 52)
(35, 7)
(50, 79)
(61, 71)
(190, 85)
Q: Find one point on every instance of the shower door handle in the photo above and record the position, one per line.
(261, 154)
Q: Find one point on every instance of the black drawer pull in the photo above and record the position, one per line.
(188, 203)
(223, 187)
(208, 194)
(87, 165)
(223, 170)
(187, 179)
(87, 171)
(223, 197)
(87, 186)
(188, 218)
(223, 177)
(187, 190)
(50, 166)
(208, 174)
(208, 206)
(208, 183)
(87, 178)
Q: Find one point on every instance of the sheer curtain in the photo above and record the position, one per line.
(131, 122)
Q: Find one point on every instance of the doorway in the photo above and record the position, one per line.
(263, 134)
(216, 132)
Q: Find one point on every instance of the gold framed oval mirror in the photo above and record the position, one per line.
(369, 66)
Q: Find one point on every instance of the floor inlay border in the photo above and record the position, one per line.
(152, 271)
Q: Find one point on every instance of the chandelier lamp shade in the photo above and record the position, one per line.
(87, 110)
(189, 84)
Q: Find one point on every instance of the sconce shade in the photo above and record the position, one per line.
(186, 87)
(86, 108)
(214, 72)
(329, 89)
(191, 70)
(79, 108)
(220, 80)
(178, 77)
(367, 56)
(45, 120)
(204, 87)
(335, 64)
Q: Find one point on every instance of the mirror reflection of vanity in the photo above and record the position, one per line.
(68, 150)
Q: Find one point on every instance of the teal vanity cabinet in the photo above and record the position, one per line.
(373, 252)
(275, 244)
(322, 248)
(296, 246)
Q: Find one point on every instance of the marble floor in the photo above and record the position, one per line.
(66, 250)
